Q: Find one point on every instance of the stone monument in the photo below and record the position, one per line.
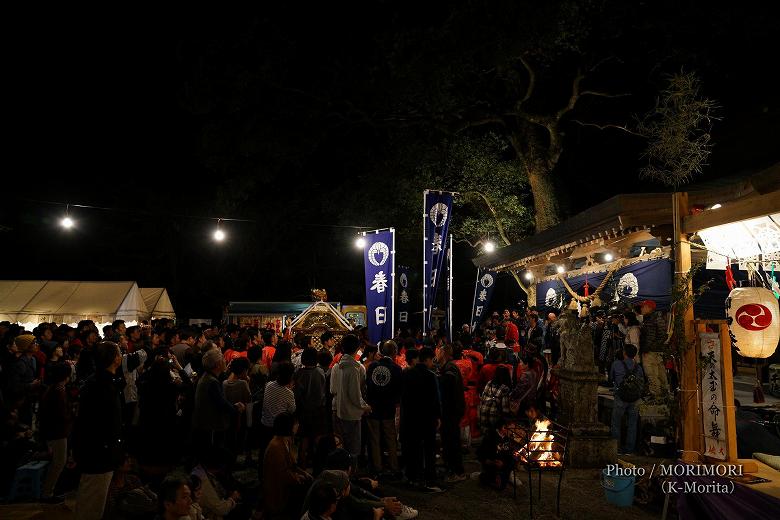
(590, 444)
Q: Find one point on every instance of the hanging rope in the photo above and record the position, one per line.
(588, 299)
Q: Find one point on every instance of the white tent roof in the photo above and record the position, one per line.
(158, 302)
(29, 301)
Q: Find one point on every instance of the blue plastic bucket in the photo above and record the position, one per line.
(618, 490)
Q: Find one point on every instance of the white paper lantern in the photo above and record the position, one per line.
(754, 321)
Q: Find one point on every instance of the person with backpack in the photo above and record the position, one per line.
(629, 381)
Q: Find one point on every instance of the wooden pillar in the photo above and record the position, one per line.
(728, 394)
(689, 373)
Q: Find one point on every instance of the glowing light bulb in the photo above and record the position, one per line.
(529, 275)
(219, 235)
(560, 269)
(490, 247)
(608, 257)
(716, 206)
(67, 222)
(360, 243)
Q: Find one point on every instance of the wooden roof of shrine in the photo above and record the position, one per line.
(629, 213)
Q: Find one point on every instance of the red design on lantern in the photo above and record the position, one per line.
(754, 316)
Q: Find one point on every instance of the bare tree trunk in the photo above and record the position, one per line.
(545, 199)
(533, 154)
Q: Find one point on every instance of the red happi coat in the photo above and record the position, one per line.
(469, 374)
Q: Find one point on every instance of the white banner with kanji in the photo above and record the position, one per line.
(713, 411)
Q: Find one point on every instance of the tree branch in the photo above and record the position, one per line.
(480, 122)
(609, 125)
(573, 98)
(531, 81)
(493, 214)
(602, 94)
(501, 231)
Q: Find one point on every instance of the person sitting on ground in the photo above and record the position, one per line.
(175, 499)
(213, 499)
(284, 483)
(325, 445)
(495, 457)
(127, 495)
(364, 492)
(196, 488)
(323, 500)
(338, 481)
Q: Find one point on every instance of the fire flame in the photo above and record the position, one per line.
(539, 448)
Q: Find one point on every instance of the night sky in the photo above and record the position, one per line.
(297, 118)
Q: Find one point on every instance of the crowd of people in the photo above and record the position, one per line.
(152, 419)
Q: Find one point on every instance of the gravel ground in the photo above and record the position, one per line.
(581, 498)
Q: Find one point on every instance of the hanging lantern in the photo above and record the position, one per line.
(754, 321)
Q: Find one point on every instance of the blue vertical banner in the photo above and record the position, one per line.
(379, 261)
(404, 295)
(483, 293)
(437, 213)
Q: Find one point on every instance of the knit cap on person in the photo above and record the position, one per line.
(24, 341)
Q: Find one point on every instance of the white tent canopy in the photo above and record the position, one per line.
(36, 301)
(158, 302)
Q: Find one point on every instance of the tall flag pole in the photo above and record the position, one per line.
(379, 262)
(450, 285)
(426, 271)
(437, 213)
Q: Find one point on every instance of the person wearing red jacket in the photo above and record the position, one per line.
(512, 333)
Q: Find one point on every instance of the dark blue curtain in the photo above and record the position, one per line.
(654, 281)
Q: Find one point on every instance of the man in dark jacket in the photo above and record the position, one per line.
(310, 393)
(213, 413)
(98, 446)
(420, 418)
(383, 393)
(453, 405)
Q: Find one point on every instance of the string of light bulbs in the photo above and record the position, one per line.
(68, 222)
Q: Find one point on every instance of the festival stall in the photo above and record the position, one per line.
(158, 302)
(273, 315)
(30, 302)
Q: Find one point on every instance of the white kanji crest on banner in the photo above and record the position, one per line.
(486, 280)
(378, 249)
(380, 313)
(550, 297)
(403, 316)
(478, 312)
(438, 214)
(628, 286)
(404, 296)
(482, 295)
(380, 282)
(436, 243)
(404, 281)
